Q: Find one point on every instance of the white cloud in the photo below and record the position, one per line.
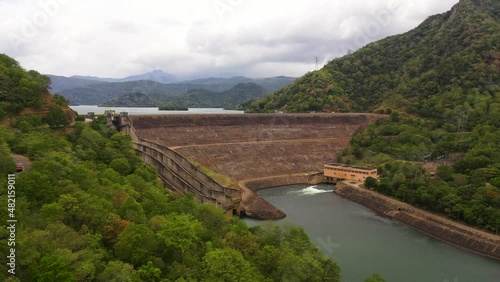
(197, 37)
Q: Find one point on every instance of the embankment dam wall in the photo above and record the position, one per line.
(254, 146)
(249, 146)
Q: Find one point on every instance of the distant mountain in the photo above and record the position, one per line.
(228, 99)
(448, 59)
(156, 75)
(136, 99)
(60, 83)
(100, 92)
(194, 98)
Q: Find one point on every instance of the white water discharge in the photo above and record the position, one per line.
(311, 190)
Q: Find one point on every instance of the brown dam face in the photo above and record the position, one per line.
(254, 151)
(255, 145)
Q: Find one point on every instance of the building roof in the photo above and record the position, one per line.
(352, 166)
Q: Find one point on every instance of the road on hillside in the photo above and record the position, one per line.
(22, 159)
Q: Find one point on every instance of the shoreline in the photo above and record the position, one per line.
(258, 208)
(448, 231)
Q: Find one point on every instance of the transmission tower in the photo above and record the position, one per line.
(461, 127)
(317, 63)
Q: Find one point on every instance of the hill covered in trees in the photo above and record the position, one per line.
(25, 101)
(440, 82)
(448, 59)
(194, 98)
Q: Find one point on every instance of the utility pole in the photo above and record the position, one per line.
(462, 127)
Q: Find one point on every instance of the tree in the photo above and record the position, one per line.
(52, 212)
(7, 164)
(242, 240)
(228, 265)
(132, 211)
(180, 231)
(445, 173)
(117, 271)
(110, 232)
(52, 269)
(136, 244)
(120, 165)
(375, 278)
(149, 273)
(56, 118)
(371, 183)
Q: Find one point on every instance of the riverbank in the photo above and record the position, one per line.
(449, 231)
(258, 208)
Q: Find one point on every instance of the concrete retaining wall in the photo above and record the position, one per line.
(284, 180)
(184, 177)
(256, 207)
(471, 239)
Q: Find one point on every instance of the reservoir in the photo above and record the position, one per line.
(363, 243)
(83, 110)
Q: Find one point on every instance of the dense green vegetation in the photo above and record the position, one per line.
(194, 98)
(228, 99)
(25, 101)
(136, 99)
(440, 84)
(90, 210)
(18, 88)
(466, 185)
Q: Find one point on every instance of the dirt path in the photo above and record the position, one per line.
(23, 159)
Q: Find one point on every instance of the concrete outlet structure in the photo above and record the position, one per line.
(337, 171)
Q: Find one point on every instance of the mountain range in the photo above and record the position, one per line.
(194, 98)
(60, 83)
(88, 90)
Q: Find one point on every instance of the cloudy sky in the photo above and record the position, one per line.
(198, 38)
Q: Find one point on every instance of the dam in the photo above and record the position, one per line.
(252, 151)
(226, 159)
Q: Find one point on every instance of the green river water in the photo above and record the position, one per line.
(363, 243)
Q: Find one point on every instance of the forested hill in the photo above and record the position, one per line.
(449, 59)
(24, 97)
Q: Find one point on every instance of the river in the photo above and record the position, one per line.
(363, 243)
(83, 110)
